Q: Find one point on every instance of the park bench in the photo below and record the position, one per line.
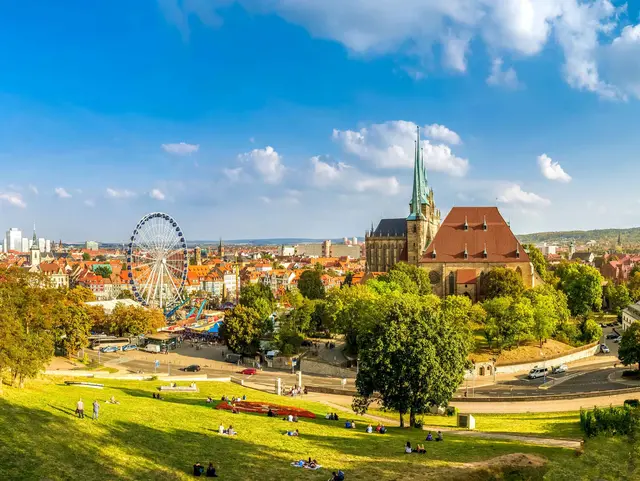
(179, 388)
(85, 384)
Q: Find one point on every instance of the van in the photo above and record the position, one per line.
(152, 348)
(537, 372)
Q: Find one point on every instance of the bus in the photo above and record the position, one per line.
(98, 342)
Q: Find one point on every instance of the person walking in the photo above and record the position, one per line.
(80, 409)
(96, 409)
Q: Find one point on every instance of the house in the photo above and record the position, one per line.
(630, 315)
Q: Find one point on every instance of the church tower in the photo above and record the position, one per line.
(34, 252)
(424, 218)
(220, 249)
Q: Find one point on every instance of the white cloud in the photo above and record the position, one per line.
(181, 148)
(62, 193)
(620, 60)
(33, 189)
(506, 78)
(392, 145)
(157, 194)
(265, 199)
(513, 194)
(12, 198)
(232, 174)
(266, 162)
(442, 134)
(412, 28)
(552, 170)
(89, 203)
(119, 194)
(341, 176)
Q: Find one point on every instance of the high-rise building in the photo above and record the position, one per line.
(24, 245)
(13, 240)
(41, 243)
(354, 241)
(91, 245)
(47, 245)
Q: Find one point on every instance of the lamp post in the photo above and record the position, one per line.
(494, 360)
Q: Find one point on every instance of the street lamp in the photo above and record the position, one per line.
(494, 359)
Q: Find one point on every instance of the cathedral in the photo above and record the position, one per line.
(405, 239)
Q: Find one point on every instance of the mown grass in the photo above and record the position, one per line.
(146, 439)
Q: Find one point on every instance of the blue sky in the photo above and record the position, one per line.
(277, 118)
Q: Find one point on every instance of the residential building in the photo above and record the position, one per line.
(619, 268)
(471, 242)
(584, 257)
(405, 239)
(56, 274)
(13, 240)
(25, 244)
(47, 245)
(91, 245)
(630, 315)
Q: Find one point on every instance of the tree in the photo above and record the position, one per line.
(259, 297)
(590, 331)
(618, 297)
(125, 294)
(80, 294)
(103, 271)
(502, 282)
(310, 284)
(241, 330)
(583, 286)
(537, 259)
(86, 256)
(549, 310)
(634, 285)
(412, 279)
(72, 325)
(133, 320)
(508, 321)
(629, 350)
(413, 359)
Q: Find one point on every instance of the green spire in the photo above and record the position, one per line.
(420, 191)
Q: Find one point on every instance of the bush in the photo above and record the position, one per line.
(452, 411)
(632, 403)
(609, 421)
(419, 423)
(153, 378)
(632, 373)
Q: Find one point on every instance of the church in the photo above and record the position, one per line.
(405, 239)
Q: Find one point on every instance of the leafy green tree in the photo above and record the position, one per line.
(310, 284)
(133, 320)
(125, 294)
(72, 326)
(590, 331)
(259, 297)
(502, 282)
(86, 256)
(634, 285)
(80, 294)
(629, 350)
(583, 286)
(419, 277)
(548, 311)
(413, 359)
(103, 271)
(537, 259)
(508, 321)
(618, 297)
(242, 329)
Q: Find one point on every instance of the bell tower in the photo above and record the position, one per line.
(34, 252)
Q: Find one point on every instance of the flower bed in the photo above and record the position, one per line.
(263, 408)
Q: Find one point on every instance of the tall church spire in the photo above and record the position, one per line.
(420, 192)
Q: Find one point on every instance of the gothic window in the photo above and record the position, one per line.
(519, 271)
(414, 228)
(434, 277)
(452, 283)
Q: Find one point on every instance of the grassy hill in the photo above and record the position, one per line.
(147, 439)
(630, 236)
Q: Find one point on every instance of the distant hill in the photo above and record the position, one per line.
(601, 236)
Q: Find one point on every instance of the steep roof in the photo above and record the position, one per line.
(391, 227)
(452, 238)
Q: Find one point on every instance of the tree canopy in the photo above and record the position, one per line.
(502, 282)
(583, 286)
(259, 297)
(242, 329)
(537, 259)
(617, 296)
(629, 350)
(310, 284)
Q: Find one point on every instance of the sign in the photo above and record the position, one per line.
(157, 363)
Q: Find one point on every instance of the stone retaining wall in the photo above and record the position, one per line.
(309, 366)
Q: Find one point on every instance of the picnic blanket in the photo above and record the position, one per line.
(302, 464)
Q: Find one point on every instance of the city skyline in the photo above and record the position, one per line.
(278, 119)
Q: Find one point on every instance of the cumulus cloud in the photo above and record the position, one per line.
(62, 193)
(412, 28)
(157, 194)
(620, 60)
(12, 198)
(341, 176)
(441, 133)
(513, 194)
(232, 174)
(502, 77)
(119, 194)
(181, 148)
(552, 170)
(392, 145)
(266, 162)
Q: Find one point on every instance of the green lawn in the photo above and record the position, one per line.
(146, 439)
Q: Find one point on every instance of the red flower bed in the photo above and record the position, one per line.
(263, 408)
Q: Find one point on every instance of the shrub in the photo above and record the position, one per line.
(452, 411)
(630, 373)
(609, 421)
(632, 403)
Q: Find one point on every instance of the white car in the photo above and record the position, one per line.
(604, 349)
(617, 339)
(560, 369)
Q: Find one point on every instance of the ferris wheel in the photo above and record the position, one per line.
(157, 261)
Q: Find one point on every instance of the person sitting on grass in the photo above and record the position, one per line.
(383, 429)
(420, 449)
(221, 429)
(429, 437)
(335, 417)
(209, 400)
(439, 437)
(347, 425)
(294, 418)
(112, 400)
(369, 429)
(270, 413)
(378, 428)
(339, 476)
(198, 469)
(290, 418)
(407, 448)
(211, 471)
(353, 424)
(292, 433)
(231, 431)
(329, 416)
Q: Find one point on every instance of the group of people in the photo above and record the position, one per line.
(310, 464)
(229, 432)
(80, 409)
(420, 447)
(292, 418)
(198, 470)
(438, 437)
(234, 399)
(156, 395)
(350, 425)
(332, 417)
(296, 391)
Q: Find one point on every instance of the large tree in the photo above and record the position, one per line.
(310, 284)
(103, 271)
(242, 329)
(259, 297)
(413, 359)
(583, 286)
(618, 297)
(508, 321)
(502, 282)
(629, 350)
(549, 310)
(412, 279)
(133, 320)
(634, 285)
(537, 259)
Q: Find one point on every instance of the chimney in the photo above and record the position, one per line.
(484, 252)
(433, 254)
(484, 223)
(518, 251)
(466, 224)
(466, 253)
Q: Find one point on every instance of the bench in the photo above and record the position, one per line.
(179, 388)
(85, 384)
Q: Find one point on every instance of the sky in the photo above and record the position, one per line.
(289, 118)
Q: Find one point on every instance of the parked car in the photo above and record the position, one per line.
(130, 347)
(612, 335)
(109, 349)
(306, 343)
(272, 354)
(604, 349)
(560, 369)
(537, 372)
(617, 339)
(192, 368)
(249, 371)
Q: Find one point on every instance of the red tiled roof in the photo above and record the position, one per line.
(466, 276)
(451, 239)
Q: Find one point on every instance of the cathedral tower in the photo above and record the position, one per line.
(34, 252)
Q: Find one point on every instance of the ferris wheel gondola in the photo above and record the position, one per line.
(157, 261)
